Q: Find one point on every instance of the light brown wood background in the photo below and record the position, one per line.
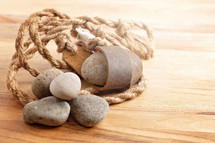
(179, 103)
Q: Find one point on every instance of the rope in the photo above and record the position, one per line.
(49, 24)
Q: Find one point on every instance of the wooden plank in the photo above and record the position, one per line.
(179, 102)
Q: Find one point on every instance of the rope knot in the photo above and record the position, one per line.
(122, 28)
(64, 43)
(99, 32)
(92, 43)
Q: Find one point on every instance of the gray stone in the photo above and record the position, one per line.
(66, 86)
(40, 85)
(49, 111)
(89, 110)
(94, 69)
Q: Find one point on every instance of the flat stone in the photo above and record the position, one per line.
(89, 110)
(94, 69)
(49, 111)
(66, 86)
(40, 85)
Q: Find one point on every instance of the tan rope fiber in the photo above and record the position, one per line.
(42, 27)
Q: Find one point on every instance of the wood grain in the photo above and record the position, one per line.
(179, 102)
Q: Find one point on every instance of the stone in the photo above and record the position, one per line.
(89, 110)
(124, 67)
(40, 85)
(66, 86)
(49, 111)
(94, 69)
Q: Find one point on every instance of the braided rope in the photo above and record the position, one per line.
(49, 24)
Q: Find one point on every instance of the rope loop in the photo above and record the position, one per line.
(41, 27)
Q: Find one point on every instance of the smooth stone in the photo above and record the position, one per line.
(40, 85)
(94, 69)
(49, 111)
(89, 110)
(66, 86)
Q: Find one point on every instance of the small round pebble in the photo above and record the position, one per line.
(89, 110)
(40, 85)
(49, 111)
(94, 69)
(66, 86)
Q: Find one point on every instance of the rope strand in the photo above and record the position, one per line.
(49, 24)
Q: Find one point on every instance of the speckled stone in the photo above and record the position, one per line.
(94, 69)
(66, 86)
(40, 85)
(49, 111)
(89, 110)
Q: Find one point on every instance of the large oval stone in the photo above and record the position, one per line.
(89, 110)
(112, 67)
(94, 69)
(66, 86)
(40, 85)
(49, 111)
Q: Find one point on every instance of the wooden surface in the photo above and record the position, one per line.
(179, 103)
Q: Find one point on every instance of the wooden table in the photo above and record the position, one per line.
(179, 103)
